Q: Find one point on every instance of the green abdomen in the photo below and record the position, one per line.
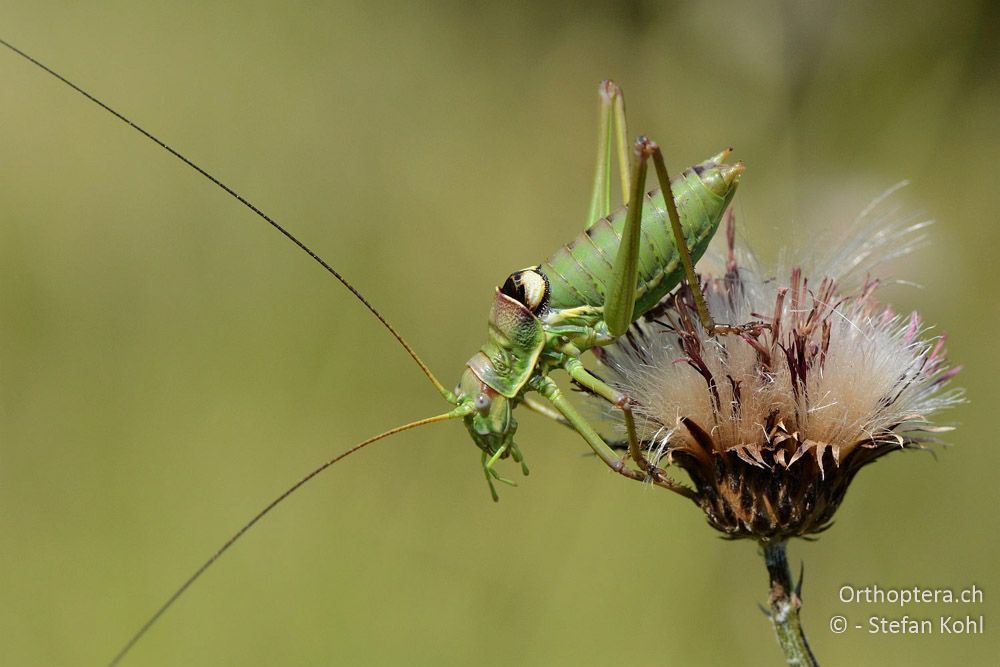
(580, 271)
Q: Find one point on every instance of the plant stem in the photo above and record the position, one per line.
(784, 606)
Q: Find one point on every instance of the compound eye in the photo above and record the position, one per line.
(482, 403)
(528, 286)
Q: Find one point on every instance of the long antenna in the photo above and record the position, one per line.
(250, 205)
(141, 632)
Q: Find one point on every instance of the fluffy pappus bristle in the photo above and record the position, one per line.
(772, 424)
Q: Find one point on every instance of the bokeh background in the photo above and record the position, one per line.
(168, 363)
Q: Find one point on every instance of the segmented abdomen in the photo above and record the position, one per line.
(580, 271)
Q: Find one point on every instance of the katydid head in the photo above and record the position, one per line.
(491, 423)
(494, 376)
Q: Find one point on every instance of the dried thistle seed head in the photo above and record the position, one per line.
(772, 427)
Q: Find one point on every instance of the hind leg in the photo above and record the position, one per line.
(612, 136)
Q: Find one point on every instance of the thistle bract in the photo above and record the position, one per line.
(772, 425)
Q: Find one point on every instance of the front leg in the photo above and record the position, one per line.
(488, 469)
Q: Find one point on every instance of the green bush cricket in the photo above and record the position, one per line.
(545, 317)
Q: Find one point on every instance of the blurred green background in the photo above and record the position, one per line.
(168, 363)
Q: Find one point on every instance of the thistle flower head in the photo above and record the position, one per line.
(772, 426)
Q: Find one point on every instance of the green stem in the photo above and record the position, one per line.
(784, 604)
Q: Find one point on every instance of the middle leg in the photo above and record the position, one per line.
(623, 402)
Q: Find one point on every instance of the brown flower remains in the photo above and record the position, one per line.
(772, 426)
